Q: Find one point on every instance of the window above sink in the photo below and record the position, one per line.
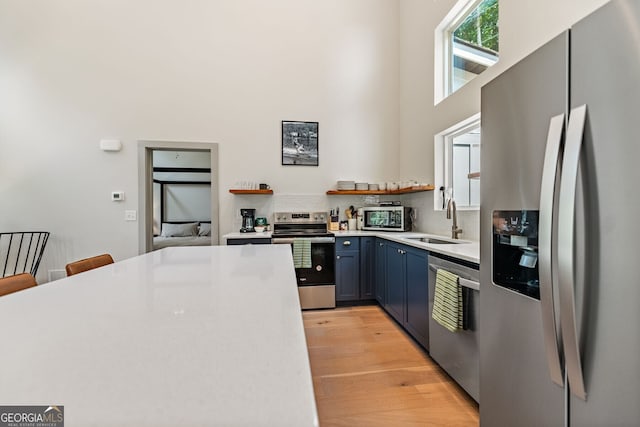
(457, 165)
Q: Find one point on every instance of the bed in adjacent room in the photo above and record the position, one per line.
(183, 234)
(182, 207)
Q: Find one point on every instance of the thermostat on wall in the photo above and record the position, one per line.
(117, 196)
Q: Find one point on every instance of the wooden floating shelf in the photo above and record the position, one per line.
(381, 192)
(232, 191)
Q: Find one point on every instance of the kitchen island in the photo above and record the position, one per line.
(181, 336)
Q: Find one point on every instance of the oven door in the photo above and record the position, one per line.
(316, 285)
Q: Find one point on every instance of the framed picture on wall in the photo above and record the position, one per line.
(299, 143)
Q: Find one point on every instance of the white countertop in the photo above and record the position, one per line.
(181, 336)
(468, 251)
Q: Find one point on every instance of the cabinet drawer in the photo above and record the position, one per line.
(347, 244)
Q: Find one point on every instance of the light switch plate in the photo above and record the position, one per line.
(130, 215)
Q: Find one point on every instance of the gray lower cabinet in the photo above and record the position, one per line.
(407, 289)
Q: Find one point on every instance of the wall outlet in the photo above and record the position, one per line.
(130, 215)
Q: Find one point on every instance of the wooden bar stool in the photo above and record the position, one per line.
(88, 264)
(15, 283)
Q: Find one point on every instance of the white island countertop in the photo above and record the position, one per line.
(197, 336)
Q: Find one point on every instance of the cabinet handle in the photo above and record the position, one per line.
(381, 244)
(338, 257)
(346, 243)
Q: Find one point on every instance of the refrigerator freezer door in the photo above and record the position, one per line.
(517, 106)
(607, 233)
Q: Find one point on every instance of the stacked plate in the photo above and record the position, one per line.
(346, 185)
(362, 185)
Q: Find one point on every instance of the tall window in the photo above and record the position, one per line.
(457, 165)
(469, 43)
(465, 168)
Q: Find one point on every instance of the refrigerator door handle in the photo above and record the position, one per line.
(545, 250)
(566, 224)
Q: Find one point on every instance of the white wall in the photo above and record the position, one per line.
(524, 26)
(226, 71)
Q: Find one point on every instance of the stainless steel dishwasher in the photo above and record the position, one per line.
(457, 352)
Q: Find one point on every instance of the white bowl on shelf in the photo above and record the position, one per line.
(259, 228)
(346, 185)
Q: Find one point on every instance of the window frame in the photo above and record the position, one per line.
(443, 72)
(443, 160)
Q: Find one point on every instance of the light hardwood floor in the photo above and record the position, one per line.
(368, 372)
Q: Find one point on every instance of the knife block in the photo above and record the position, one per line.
(334, 223)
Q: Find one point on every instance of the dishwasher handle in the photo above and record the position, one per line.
(471, 284)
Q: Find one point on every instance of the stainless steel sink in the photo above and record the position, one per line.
(436, 241)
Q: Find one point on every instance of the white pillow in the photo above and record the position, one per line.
(204, 229)
(179, 230)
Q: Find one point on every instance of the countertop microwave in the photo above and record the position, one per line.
(387, 218)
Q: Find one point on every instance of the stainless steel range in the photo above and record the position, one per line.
(313, 250)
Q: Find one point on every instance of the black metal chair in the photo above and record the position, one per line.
(21, 252)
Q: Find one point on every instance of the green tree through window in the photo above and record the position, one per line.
(480, 28)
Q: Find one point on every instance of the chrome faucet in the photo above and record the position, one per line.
(452, 213)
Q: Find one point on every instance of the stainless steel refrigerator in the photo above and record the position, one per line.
(560, 230)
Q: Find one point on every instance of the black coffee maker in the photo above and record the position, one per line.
(248, 220)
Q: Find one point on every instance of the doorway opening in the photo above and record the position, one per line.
(178, 187)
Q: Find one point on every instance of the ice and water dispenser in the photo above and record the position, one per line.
(515, 251)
